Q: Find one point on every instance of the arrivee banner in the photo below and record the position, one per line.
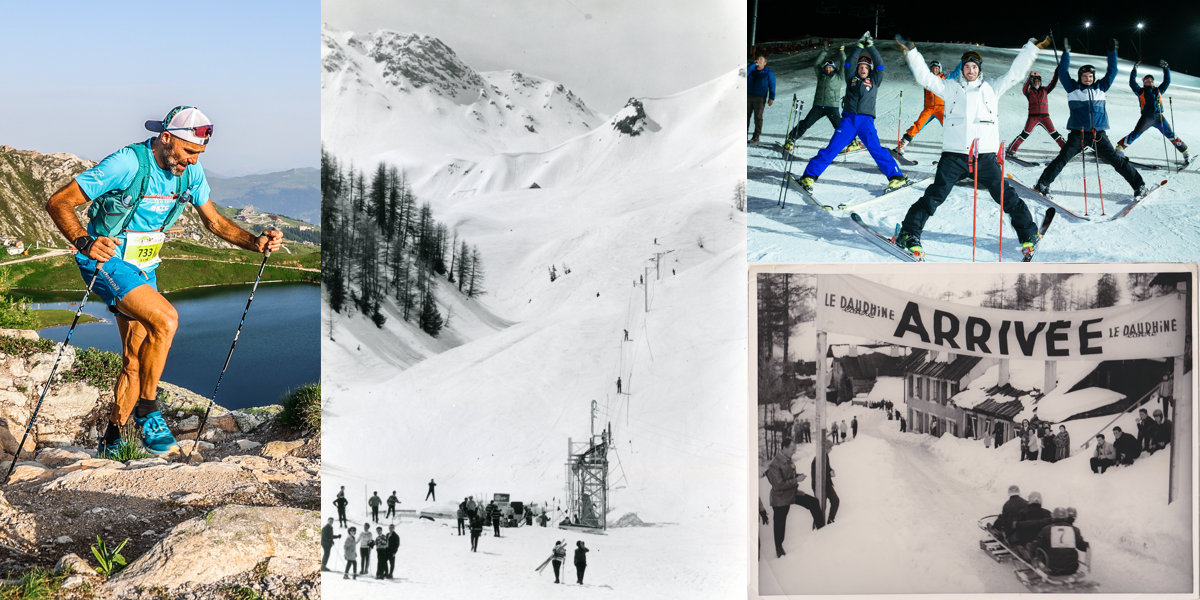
(1151, 329)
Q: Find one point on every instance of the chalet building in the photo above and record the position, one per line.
(855, 372)
(930, 381)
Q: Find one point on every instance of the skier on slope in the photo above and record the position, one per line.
(374, 503)
(760, 93)
(1039, 111)
(858, 119)
(935, 107)
(1056, 544)
(972, 122)
(1088, 123)
(1150, 99)
(340, 502)
(827, 97)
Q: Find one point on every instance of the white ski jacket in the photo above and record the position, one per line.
(972, 107)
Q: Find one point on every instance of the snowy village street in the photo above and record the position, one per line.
(910, 503)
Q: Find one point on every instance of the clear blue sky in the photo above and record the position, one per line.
(83, 77)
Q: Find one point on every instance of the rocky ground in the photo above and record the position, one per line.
(241, 515)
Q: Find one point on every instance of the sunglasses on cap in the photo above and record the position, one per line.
(202, 131)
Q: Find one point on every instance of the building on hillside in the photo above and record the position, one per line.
(855, 370)
(930, 381)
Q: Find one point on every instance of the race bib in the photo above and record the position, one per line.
(142, 248)
(1062, 537)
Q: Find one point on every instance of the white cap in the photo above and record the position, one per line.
(183, 122)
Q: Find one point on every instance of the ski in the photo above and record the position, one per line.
(1043, 198)
(884, 195)
(1022, 162)
(1142, 165)
(1028, 256)
(900, 158)
(807, 194)
(882, 241)
(1138, 201)
(1030, 574)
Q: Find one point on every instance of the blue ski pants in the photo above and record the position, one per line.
(862, 126)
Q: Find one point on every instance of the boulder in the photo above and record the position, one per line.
(224, 422)
(226, 542)
(247, 444)
(76, 564)
(27, 471)
(58, 457)
(246, 422)
(25, 334)
(65, 408)
(278, 449)
(191, 423)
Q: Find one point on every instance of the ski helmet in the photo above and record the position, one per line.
(1013, 490)
(1071, 512)
(972, 56)
(828, 63)
(1059, 513)
(865, 59)
(1086, 69)
(936, 63)
(1035, 497)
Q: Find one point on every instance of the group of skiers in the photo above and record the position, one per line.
(473, 516)
(971, 135)
(359, 546)
(1153, 435)
(1039, 536)
(559, 554)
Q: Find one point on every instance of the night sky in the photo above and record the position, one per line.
(1172, 29)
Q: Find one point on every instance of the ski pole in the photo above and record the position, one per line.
(212, 400)
(787, 159)
(974, 192)
(46, 389)
(1099, 181)
(1083, 166)
(1171, 124)
(1000, 159)
(900, 118)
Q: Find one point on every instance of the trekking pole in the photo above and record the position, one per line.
(1099, 181)
(1000, 159)
(974, 192)
(212, 400)
(46, 389)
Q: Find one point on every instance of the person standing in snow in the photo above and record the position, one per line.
(374, 503)
(365, 543)
(476, 531)
(903, 425)
(381, 554)
(1150, 99)
(327, 537)
(618, 385)
(351, 548)
(462, 515)
(430, 493)
(935, 107)
(558, 555)
(1145, 426)
(844, 429)
(580, 560)
(834, 502)
(785, 492)
(1032, 443)
(1088, 123)
(392, 501)
(1049, 450)
(854, 425)
(1125, 446)
(340, 502)
(393, 546)
(1104, 456)
(998, 434)
(858, 119)
(833, 431)
(971, 135)
(1039, 111)
(1062, 443)
(827, 97)
(761, 87)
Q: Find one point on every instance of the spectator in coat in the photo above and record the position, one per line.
(476, 531)
(998, 435)
(492, 515)
(1162, 431)
(580, 560)
(785, 492)
(393, 545)
(1062, 443)
(462, 516)
(844, 430)
(1145, 428)
(854, 426)
(760, 94)
(1049, 448)
(833, 431)
(374, 501)
(1104, 456)
(903, 425)
(327, 537)
(381, 554)
(1126, 447)
(1032, 442)
(351, 548)
(365, 544)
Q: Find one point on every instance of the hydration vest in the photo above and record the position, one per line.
(112, 211)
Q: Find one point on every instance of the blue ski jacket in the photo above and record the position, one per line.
(761, 83)
(1086, 103)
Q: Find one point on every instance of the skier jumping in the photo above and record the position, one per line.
(827, 97)
(858, 119)
(1150, 99)
(1039, 113)
(971, 123)
(1088, 123)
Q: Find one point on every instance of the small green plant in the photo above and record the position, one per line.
(11, 346)
(36, 584)
(128, 450)
(110, 561)
(242, 593)
(95, 367)
(302, 408)
(14, 313)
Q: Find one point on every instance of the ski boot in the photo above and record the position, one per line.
(753, 140)
(903, 144)
(155, 436)
(789, 145)
(807, 182)
(1042, 189)
(911, 243)
(1186, 161)
(897, 182)
(1027, 247)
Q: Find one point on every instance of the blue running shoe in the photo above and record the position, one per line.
(155, 436)
(109, 451)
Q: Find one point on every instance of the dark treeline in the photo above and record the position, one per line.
(377, 242)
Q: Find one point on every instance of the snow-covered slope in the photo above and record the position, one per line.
(1161, 229)
(639, 221)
